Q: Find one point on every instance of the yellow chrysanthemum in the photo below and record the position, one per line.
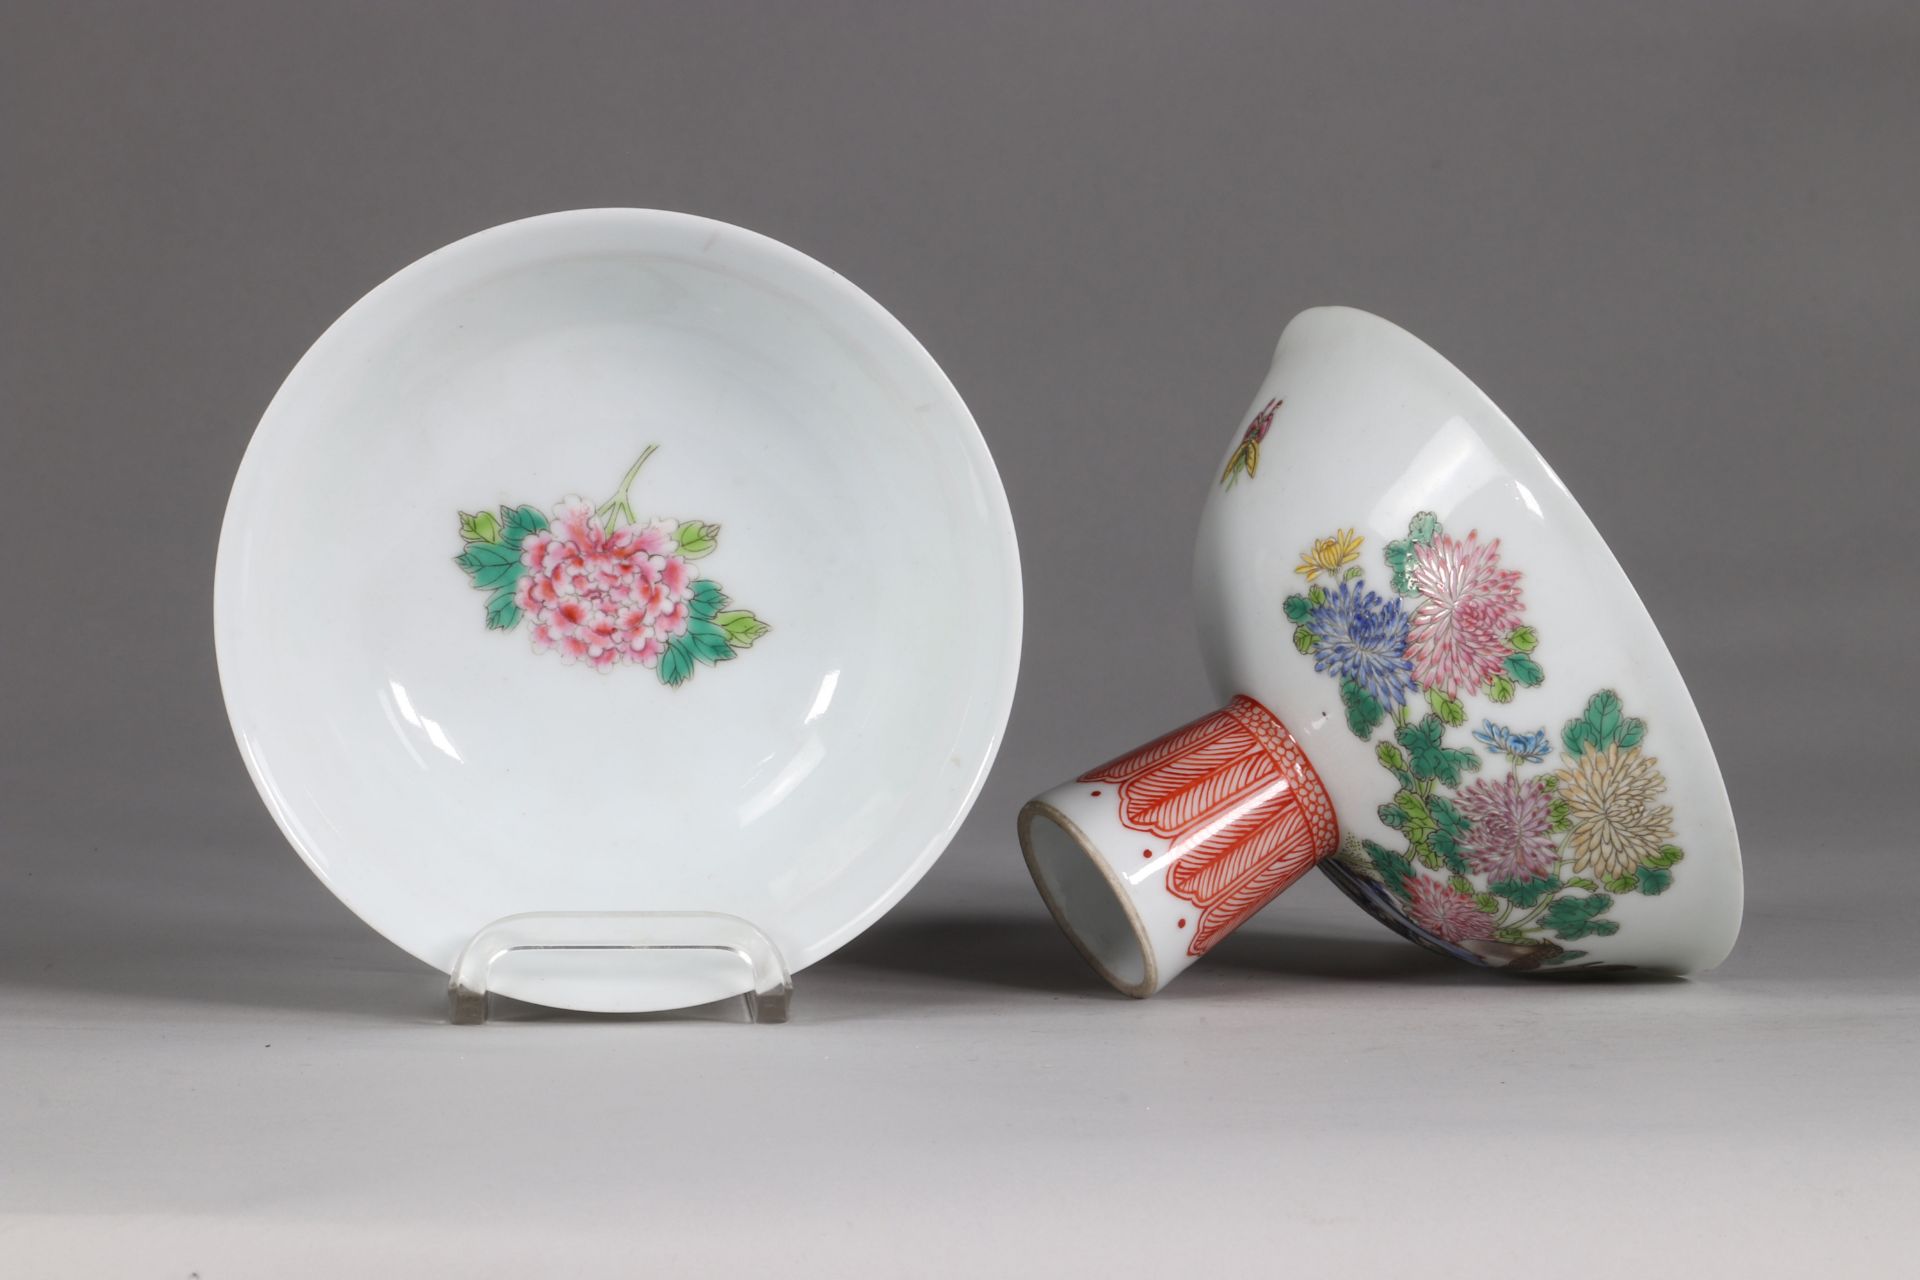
(1610, 801)
(1330, 555)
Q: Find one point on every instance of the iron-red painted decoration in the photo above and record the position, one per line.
(1242, 811)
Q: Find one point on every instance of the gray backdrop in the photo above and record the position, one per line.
(1677, 242)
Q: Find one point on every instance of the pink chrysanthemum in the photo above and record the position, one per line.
(1511, 837)
(602, 595)
(1444, 911)
(1468, 606)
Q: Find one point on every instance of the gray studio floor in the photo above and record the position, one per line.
(277, 1094)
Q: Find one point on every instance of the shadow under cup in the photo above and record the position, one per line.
(1149, 860)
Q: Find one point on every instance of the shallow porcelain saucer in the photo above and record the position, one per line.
(618, 560)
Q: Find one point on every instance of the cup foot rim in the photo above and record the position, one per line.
(1150, 981)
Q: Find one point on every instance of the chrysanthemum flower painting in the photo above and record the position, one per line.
(1362, 639)
(1444, 911)
(1610, 799)
(1517, 747)
(1330, 555)
(1495, 868)
(602, 588)
(1509, 828)
(1469, 605)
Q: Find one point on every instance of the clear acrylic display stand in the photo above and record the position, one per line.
(768, 993)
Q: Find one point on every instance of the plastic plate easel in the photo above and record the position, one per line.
(769, 990)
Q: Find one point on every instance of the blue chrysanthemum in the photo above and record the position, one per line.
(1520, 748)
(1495, 737)
(1362, 638)
(1529, 748)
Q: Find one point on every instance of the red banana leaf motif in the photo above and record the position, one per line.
(1243, 810)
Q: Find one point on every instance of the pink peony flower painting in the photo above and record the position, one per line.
(603, 589)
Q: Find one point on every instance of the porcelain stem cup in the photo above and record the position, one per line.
(1390, 580)
(1390, 566)
(1147, 861)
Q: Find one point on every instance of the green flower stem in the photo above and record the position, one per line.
(1533, 912)
(619, 503)
(1546, 900)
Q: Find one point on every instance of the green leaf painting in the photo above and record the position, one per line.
(1524, 670)
(1652, 880)
(1399, 567)
(742, 628)
(502, 613)
(708, 642)
(676, 664)
(1668, 855)
(479, 528)
(1525, 893)
(1394, 869)
(695, 539)
(1447, 707)
(1602, 725)
(707, 599)
(1571, 917)
(1364, 712)
(518, 522)
(1430, 756)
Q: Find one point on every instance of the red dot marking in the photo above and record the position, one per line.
(1096, 793)
(1183, 922)
(1146, 853)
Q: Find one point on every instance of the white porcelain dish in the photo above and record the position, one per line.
(761, 666)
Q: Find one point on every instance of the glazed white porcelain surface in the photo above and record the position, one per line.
(438, 773)
(1373, 428)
